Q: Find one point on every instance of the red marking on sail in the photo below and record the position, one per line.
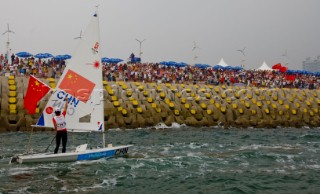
(77, 86)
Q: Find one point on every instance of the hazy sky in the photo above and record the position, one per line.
(267, 28)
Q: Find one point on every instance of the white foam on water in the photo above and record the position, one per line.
(137, 165)
(17, 171)
(165, 151)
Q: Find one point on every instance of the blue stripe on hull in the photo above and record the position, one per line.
(96, 155)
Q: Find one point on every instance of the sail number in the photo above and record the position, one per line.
(121, 151)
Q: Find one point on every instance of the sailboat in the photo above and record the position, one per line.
(81, 83)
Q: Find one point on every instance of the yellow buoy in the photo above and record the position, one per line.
(124, 87)
(135, 103)
(197, 99)
(12, 100)
(209, 112)
(124, 112)
(139, 110)
(150, 100)
(154, 105)
(116, 103)
(12, 106)
(203, 106)
(208, 95)
(114, 98)
(267, 110)
(12, 93)
(176, 112)
(193, 111)
(187, 106)
(11, 82)
(234, 106)
(12, 111)
(12, 87)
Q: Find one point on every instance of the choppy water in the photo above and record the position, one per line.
(174, 160)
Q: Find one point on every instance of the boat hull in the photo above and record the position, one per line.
(91, 154)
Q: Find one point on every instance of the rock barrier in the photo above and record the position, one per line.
(137, 105)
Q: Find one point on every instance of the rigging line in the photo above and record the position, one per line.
(30, 140)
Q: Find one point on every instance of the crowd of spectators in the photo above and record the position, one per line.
(155, 72)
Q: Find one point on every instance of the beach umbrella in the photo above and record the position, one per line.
(66, 56)
(62, 57)
(104, 60)
(24, 54)
(181, 64)
(43, 55)
(111, 60)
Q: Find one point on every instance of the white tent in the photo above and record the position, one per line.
(264, 66)
(222, 63)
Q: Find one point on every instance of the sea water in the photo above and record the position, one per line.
(176, 159)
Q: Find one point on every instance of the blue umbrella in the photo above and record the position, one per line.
(43, 55)
(111, 60)
(104, 60)
(67, 56)
(24, 54)
(182, 64)
(62, 57)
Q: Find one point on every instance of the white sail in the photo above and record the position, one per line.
(81, 83)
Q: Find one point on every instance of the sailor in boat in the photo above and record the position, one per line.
(59, 124)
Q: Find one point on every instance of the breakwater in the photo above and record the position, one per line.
(135, 104)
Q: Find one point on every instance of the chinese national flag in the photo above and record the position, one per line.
(77, 86)
(36, 90)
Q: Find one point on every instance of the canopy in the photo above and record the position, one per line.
(222, 63)
(264, 66)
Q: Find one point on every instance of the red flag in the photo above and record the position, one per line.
(283, 69)
(36, 90)
(77, 86)
(277, 66)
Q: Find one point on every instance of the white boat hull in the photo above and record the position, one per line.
(88, 154)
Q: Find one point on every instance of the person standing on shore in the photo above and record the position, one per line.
(59, 124)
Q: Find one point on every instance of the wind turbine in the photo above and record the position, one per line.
(79, 37)
(285, 56)
(242, 51)
(243, 61)
(194, 49)
(140, 42)
(8, 41)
